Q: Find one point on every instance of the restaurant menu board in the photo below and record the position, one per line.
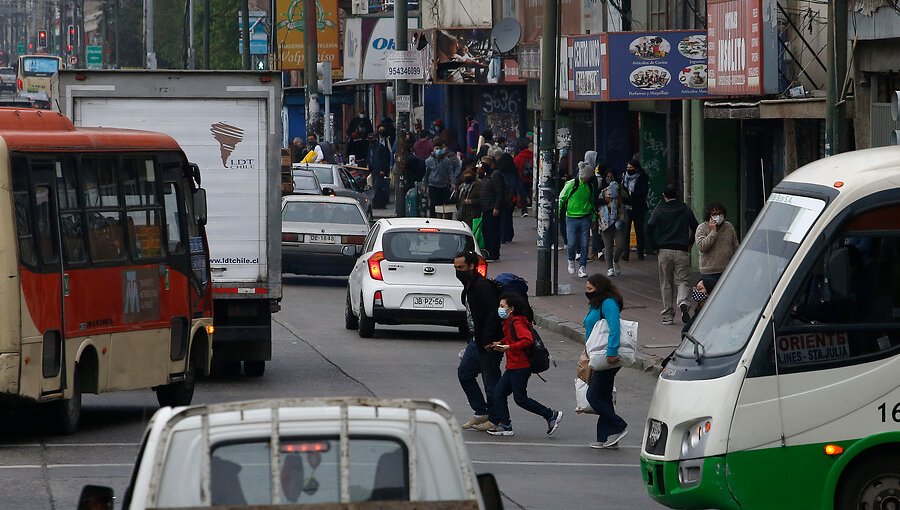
(655, 65)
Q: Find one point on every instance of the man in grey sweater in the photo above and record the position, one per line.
(440, 175)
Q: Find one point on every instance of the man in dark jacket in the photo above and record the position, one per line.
(672, 226)
(637, 183)
(481, 300)
(493, 198)
(379, 160)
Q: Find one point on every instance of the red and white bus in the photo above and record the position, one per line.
(105, 264)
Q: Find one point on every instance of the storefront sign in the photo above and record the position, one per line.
(368, 43)
(530, 61)
(585, 68)
(404, 65)
(655, 65)
(466, 56)
(742, 47)
(290, 33)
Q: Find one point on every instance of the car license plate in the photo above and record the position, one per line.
(321, 239)
(428, 302)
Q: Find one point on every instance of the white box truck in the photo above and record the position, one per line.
(229, 124)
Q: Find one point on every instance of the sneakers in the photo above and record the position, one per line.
(582, 272)
(685, 313)
(484, 426)
(571, 267)
(611, 443)
(563, 247)
(668, 322)
(616, 268)
(553, 423)
(478, 419)
(501, 430)
(524, 214)
(610, 272)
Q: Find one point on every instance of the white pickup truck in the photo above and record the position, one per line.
(322, 454)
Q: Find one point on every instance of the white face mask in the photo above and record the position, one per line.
(719, 219)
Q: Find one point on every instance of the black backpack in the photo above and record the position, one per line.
(538, 356)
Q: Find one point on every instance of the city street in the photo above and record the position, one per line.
(315, 356)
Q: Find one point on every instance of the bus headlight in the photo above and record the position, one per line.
(694, 442)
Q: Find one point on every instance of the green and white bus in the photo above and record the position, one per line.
(785, 392)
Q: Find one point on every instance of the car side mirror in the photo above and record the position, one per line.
(349, 250)
(328, 191)
(200, 206)
(490, 492)
(96, 497)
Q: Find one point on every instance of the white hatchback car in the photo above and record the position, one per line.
(405, 275)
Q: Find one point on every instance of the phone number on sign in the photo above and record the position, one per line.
(404, 71)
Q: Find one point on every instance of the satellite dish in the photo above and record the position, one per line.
(506, 34)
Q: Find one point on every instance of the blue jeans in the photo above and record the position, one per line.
(599, 396)
(578, 230)
(516, 382)
(479, 361)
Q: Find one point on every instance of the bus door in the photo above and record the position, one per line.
(52, 280)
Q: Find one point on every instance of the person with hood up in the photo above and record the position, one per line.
(637, 183)
(577, 202)
(673, 224)
(507, 165)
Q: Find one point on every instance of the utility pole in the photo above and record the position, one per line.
(311, 58)
(207, 16)
(835, 105)
(245, 33)
(548, 171)
(148, 34)
(117, 33)
(191, 57)
(402, 88)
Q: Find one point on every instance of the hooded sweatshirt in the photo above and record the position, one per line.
(590, 157)
(673, 226)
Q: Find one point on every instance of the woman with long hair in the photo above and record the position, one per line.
(605, 303)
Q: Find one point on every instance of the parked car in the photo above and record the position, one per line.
(341, 182)
(405, 275)
(314, 231)
(8, 86)
(305, 182)
(335, 453)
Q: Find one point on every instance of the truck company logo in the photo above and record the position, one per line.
(228, 137)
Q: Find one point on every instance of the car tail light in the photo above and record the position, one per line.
(353, 239)
(291, 238)
(19, 84)
(429, 230)
(318, 447)
(482, 266)
(375, 265)
(378, 300)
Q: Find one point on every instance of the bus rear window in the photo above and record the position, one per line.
(41, 67)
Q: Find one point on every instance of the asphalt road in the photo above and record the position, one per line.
(315, 356)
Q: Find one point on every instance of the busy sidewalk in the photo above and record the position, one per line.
(639, 284)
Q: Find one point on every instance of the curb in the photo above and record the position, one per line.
(646, 363)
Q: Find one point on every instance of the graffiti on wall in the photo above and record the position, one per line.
(502, 110)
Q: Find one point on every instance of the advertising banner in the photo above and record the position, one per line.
(735, 47)
(367, 44)
(655, 65)
(465, 55)
(290, 33)
(585, 68)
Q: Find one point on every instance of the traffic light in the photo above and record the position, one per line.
(42, 38)
(71, 36)
(323, 70)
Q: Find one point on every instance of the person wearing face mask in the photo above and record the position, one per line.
(577, 202)
(611, 220)
(699, 294)
(637, 183)
(379, 161)
(480, 297)
(517, 339)
(605, 302)
(361, 124)
(493, 195)
(469, 194)
(439, 176)
(717, 241)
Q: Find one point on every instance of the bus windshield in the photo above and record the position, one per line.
(726, 322)
(40, 66)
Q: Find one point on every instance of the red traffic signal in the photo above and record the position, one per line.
(42, 38)
(71, 33)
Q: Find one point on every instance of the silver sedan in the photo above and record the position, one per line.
(338, 179)
(316, 230)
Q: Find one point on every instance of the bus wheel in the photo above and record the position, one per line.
(873, 484)
(68, 410)
(178, 393)
(255, 368)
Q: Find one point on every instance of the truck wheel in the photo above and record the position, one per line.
(178, 393)
(350, 321)
(255, 368)
(67, 412)
(366, 323)
(874, 484)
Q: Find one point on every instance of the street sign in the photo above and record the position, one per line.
(20, 48)
(403, 104)
(261, 65)
(94, 57)
(73, 60)
(405, 65)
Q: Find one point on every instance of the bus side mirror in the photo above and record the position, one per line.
(200, 206)
(96, 497)
(195, 173)
(839, 273)
(490, 492)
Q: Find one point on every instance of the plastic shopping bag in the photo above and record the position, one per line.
(581, 403)
(478, 232)
(596, 344)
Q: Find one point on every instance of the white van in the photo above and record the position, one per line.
(785, 392)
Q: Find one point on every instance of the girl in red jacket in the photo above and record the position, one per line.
(517, 340)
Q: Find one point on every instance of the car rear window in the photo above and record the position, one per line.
(417, 246)
(322, 212)
(325, 175)
(305, 183)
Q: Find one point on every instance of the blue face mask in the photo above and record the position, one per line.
(503, 313)
(440, 152)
